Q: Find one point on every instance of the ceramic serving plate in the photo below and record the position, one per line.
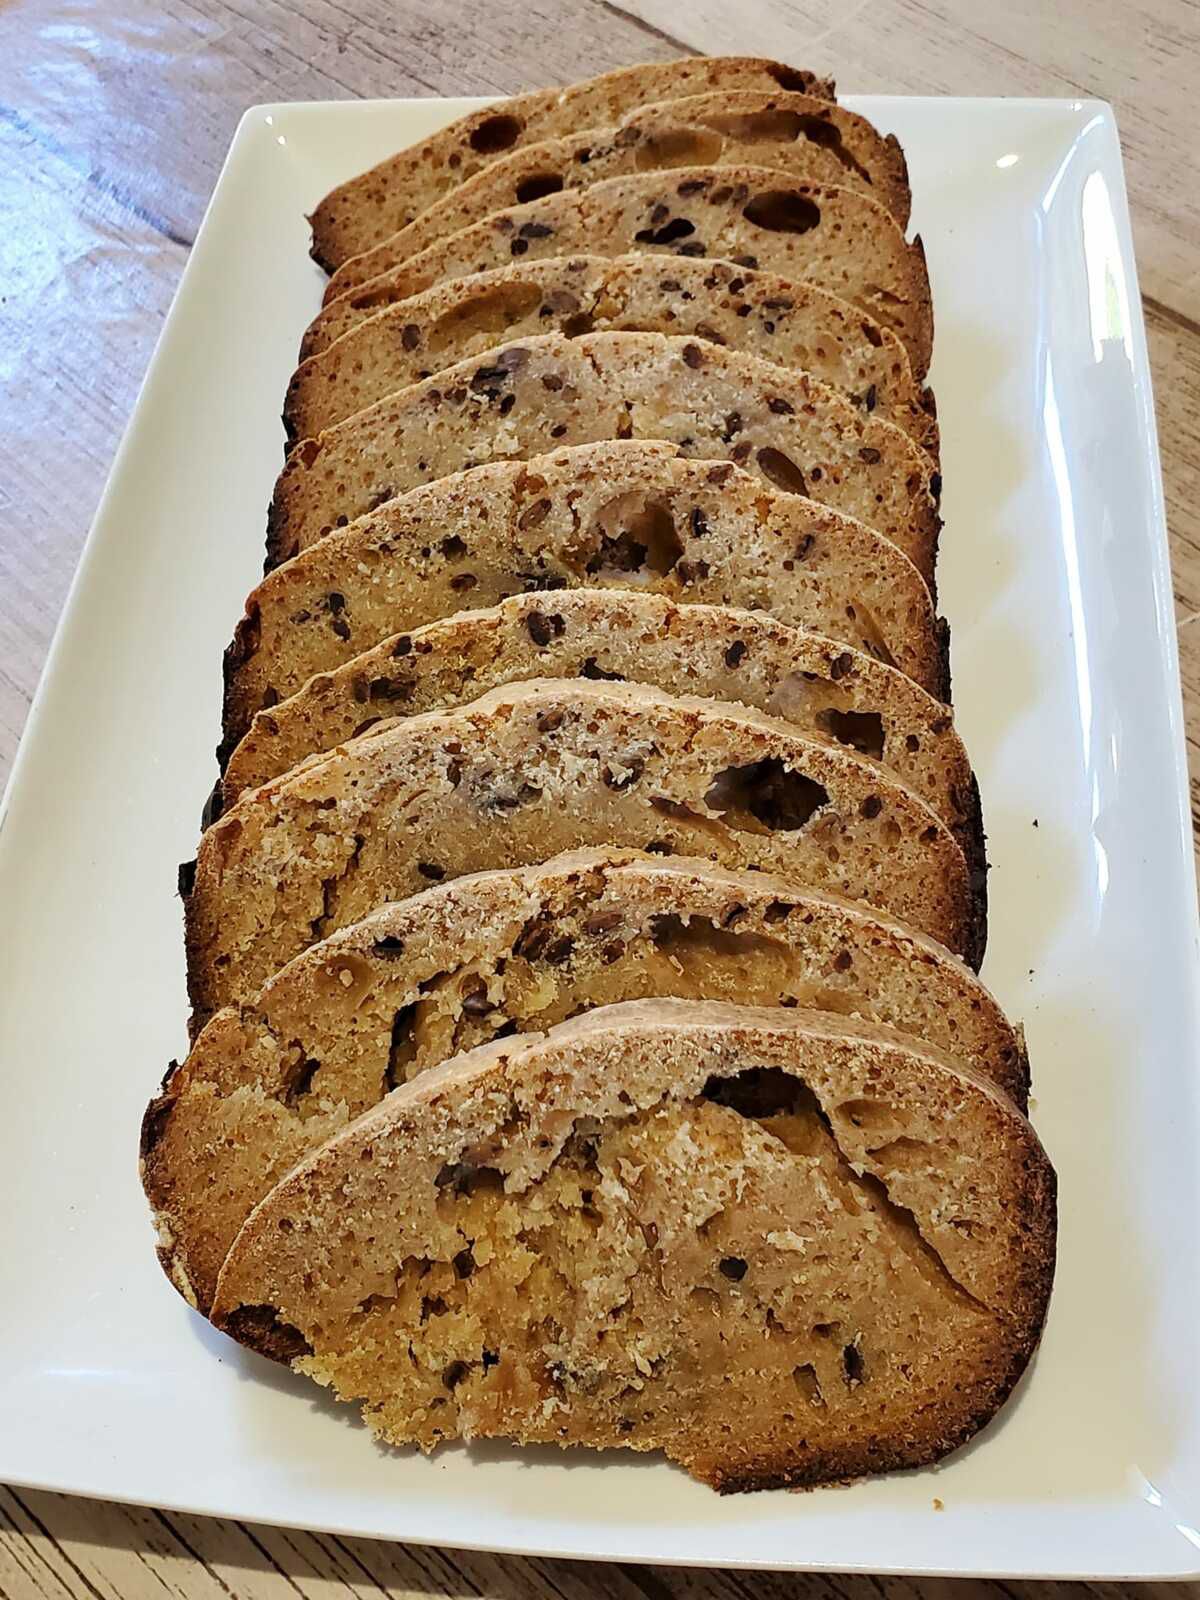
(1055, 578)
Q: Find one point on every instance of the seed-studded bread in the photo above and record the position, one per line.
(840, 241)
(369, 208)
(759, 313)
(624, 514)
(782, 1247)
(793, 134)
(527, 397)
(503, 952)
(536, 768)
(816, 684)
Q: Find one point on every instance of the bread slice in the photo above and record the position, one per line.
(623, 515)
(817, 685)
(797, 135)
(513, 951)
(369, 208)
(759, 313)
(782, 1247)
(555, 764)
(527, 397)
(840, 241)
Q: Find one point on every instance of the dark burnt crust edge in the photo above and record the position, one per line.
(970, 833)
(941, 689)
(277, 550)
(156, 1115)
(199, 977)
(924, 301)
(261, 1329)
(974, 843)
(236, 717)
(901, 177)
(321, 248)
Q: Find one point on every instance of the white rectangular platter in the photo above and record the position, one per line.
(1055, 578)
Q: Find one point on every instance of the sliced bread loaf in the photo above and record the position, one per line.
(501, 952)
(818, 685)
(840, 241)
(527, 397)
(614, 515)
(536, 768)
(759, 313)
(797, 135)
(782, 1247)
(372, 206)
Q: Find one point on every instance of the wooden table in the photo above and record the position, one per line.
(114, 119)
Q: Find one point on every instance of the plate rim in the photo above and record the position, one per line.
(92, 550)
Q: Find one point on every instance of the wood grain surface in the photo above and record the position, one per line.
(114, 119)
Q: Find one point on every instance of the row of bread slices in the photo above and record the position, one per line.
(586, 1046)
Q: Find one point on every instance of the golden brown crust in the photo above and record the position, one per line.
(368, 208)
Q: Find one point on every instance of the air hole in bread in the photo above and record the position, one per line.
(790, 78)
(761, 1092)
(678, 147)
(495, 134)
(782, 211)
(402, 1051)
(637, 535)
(781, 470)
(492, 313)
(860, 730)
(853, 1364)
(780, 126)
(577, 324)
(765, 796)
(668, 233)
(592, 669)
(805, 1379)
(700, 943)
(300, 1080)
(818, 130)
(901, 1153)
(538, 185)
